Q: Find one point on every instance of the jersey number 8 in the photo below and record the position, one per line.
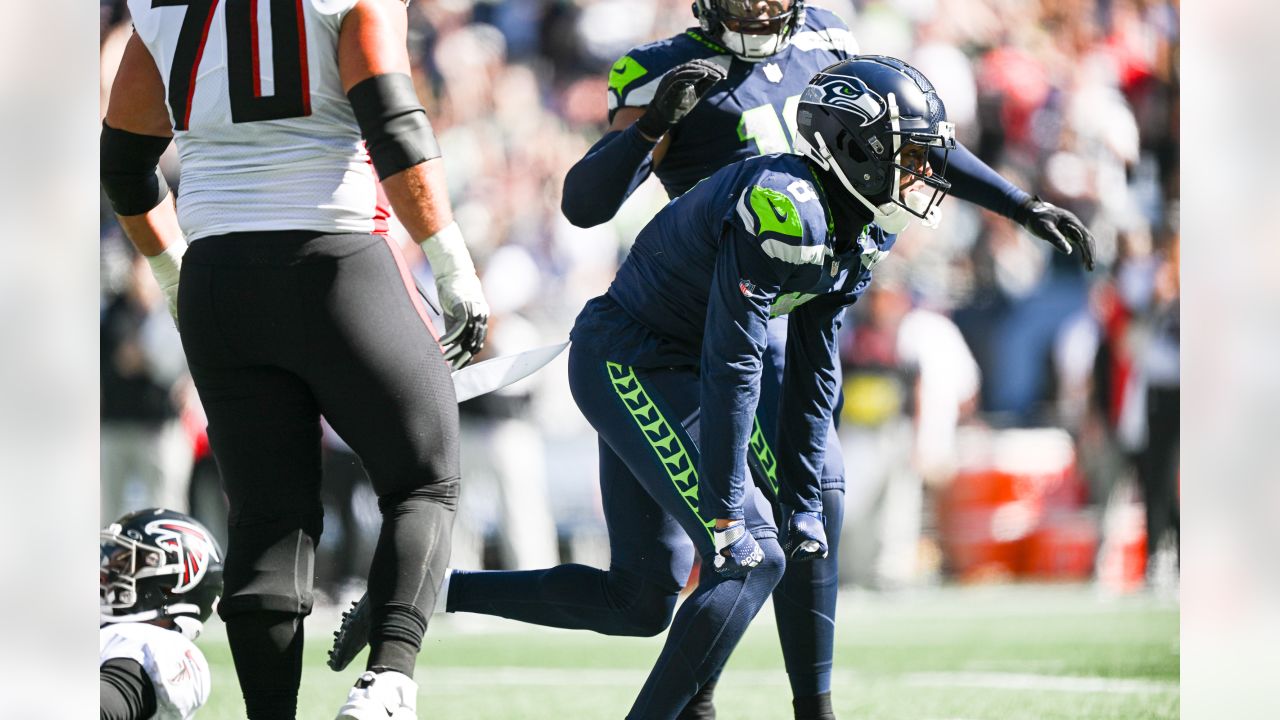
(292, 96)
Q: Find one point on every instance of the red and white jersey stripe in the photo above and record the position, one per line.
(266, 137)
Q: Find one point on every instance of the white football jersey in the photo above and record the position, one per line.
(177, 668)
(266, 137)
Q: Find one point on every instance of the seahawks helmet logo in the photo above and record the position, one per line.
(847, 93)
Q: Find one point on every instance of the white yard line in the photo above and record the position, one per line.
(1024, 681)
(442, 678)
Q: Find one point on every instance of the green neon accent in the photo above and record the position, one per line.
(662, 438)
(625, 72)
(705, 41)
(763, 453)
(776, 212)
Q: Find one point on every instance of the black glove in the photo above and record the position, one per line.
(1059, 227)
(678, 91)
(468, 323)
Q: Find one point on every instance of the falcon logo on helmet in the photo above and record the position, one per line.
(192, 545)
(159, 563)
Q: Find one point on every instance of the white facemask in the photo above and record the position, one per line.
(753, 48)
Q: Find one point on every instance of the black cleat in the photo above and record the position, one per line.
(351, 636)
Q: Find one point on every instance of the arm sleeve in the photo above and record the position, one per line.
(125, 691)
(973, 180)
(810, 386)
(743, 286)
(597, 185)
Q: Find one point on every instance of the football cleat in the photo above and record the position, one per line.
(388, 695)
(351, 636)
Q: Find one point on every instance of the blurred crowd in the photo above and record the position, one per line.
(973, 330)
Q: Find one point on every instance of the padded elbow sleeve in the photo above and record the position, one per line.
(393, 122)
(131, 174)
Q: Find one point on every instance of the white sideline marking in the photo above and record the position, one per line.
(1061, 683)
(445, 677)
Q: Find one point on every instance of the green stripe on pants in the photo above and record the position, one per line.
(661, 435)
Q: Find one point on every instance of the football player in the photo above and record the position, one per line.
(293, 302)
(668, 367)
(682, 108)
(160, 576)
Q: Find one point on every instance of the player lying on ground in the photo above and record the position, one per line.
(686, 106)
(667, 366)
(160, 576)
(293, 302)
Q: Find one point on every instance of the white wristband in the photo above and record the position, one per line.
(447, 252)
(167, 266)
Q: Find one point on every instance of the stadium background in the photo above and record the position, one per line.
(1042, 480)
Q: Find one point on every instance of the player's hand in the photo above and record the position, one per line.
(737, 551)
(1059, 227)
(806, 536)
(466, 314)
(466, 319)
(678, 91)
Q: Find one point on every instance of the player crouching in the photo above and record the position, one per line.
(159, 580)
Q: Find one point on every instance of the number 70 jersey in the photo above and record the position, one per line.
(266, 137)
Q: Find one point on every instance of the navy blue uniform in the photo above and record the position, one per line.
(652, 321)
(667, 366)
(752, 112)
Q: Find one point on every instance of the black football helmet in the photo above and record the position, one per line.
(869, 120)
(159, 563)
(737, 24)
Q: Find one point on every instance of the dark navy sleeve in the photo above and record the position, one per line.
(597, 185)
(973, 180)
(810, 386)
(743, 285)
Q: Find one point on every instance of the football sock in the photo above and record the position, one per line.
(267, 648)
(804, 605)
(814, 707)
(413, 547)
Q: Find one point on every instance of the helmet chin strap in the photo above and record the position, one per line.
(756, 50)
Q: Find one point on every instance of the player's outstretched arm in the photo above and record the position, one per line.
(597, 185)
(975, 181)
(374, 64)
(135, 133)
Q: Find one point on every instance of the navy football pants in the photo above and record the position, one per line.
(647, 420)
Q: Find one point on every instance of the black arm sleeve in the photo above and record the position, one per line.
(975, 181)
(130, 170)
(597, 185)
(394, 124)
(125, 692)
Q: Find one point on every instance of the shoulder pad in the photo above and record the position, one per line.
(634, 77)
(824, 30)
(786, 213)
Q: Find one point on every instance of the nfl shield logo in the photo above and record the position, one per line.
(773, 72)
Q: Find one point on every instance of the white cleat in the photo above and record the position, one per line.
(381, 696)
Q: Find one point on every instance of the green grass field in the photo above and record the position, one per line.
(987, 653)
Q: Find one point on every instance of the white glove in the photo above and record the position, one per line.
(167, 268)
(466, 314)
